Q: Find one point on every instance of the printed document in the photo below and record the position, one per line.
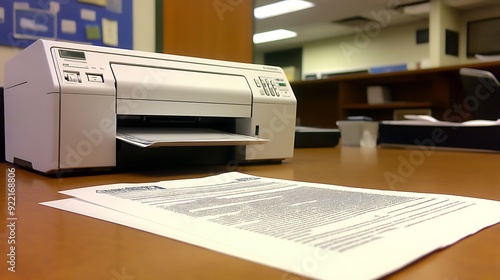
(315, 230)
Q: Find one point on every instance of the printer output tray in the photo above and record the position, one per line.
(149, 137)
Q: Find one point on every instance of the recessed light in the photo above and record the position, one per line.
(274, 35)
(281, 8)
(418, 9)
(415, 8)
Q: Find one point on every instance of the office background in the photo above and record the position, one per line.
(74, 240)
(393, 45)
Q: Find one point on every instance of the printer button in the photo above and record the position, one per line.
(72, 77)
(95, 78)
(266, 89)
(270, 86)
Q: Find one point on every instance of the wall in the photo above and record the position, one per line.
(391, 45)
(144, 33)
(5, 54)
(144, 25)
(442, 18)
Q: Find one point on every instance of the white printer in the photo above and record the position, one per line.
(70, 106)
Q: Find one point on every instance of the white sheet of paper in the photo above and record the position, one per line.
(488, 57)
(68, 26)
(55, 7)
(21, 5)
(155, 137)
(424, 120)
(109, 32)
(316, 230)
(115, 6)
(78, 206)
(88, 14)
(95, 2)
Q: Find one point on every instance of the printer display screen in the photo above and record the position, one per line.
(72, 54)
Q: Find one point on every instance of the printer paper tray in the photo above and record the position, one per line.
(162, 137)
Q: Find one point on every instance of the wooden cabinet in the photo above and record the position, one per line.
(217, 29)
(322, 102)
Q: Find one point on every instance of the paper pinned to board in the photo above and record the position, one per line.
(145, 137)
(2, 14)
(283, 223)
(95, 2)
(109, 32)
(68, 26)
(115, 6)
(88, 14)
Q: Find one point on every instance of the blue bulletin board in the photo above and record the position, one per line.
(97, 22)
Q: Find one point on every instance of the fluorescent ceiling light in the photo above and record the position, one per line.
(281, 8)
(417, 9)
(274, 35)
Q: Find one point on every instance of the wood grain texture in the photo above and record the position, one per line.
(216, 29)
(54, 244)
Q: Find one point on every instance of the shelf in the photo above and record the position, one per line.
(322, 102)
(389, 105)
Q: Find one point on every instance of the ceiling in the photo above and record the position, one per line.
(316, 23)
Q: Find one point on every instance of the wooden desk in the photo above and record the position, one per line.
(54, 244)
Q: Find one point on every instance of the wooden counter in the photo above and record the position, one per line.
(54, 244)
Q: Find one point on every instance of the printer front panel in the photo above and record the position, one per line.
(88, 131)
(32, 128)
(274, 122)
(31, 104)
(83, 72)
(273, 117)
(143, 90)
(87, 137)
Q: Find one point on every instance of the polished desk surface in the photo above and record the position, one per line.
(54, 244)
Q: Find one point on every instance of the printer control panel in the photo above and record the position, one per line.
(82, 71)
(273, 87)
(76, 68)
